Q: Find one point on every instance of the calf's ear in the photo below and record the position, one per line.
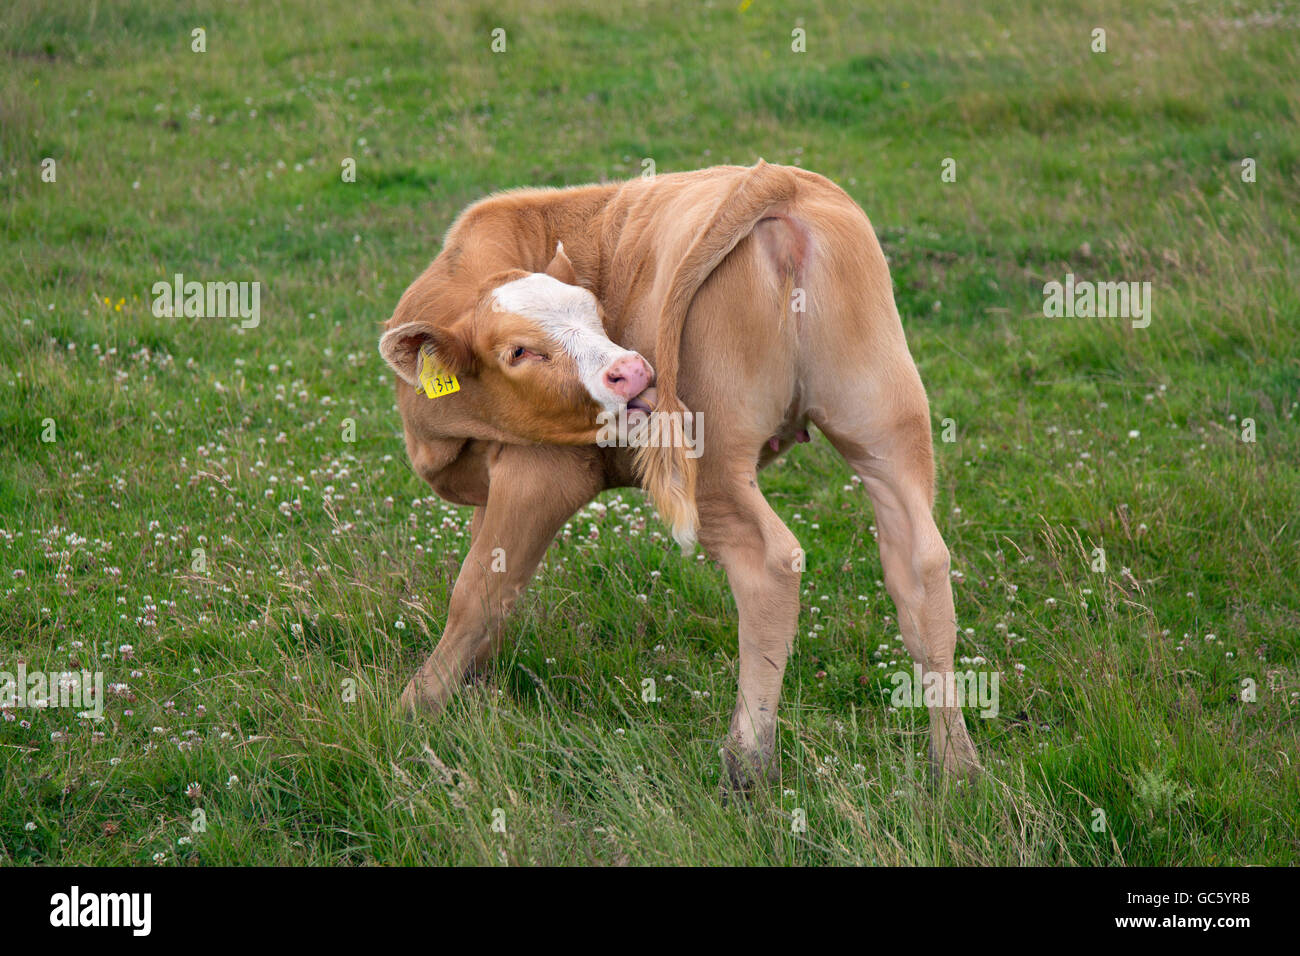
(561, 268)
(451, 346)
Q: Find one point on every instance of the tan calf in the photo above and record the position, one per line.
(763, 299)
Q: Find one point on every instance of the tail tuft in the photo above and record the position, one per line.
(668, 474)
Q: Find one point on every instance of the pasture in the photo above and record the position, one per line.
(221, 519)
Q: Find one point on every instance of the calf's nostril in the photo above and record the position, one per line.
(625, 377)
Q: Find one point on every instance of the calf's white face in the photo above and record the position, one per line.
(532, 357)
(569, 316)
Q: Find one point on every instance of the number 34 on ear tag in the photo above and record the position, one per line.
(434, 379)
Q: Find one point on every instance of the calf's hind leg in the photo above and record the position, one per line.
(885, 437)
(762, 560)
(533, 490)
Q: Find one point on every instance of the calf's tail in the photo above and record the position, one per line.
(664, 468)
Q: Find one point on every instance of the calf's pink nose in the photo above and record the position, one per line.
(627, 377)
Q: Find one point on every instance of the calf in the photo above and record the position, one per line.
(762, 298)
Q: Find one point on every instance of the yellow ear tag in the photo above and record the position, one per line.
(434, 379)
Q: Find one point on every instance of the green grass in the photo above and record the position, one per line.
(328, 562)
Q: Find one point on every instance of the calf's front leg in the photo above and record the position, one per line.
(532, 491)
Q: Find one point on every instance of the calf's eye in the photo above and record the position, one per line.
(519, 354)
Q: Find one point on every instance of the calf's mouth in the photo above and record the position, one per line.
(645, 402)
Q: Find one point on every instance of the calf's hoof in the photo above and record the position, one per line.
(416, 701)
(745, 769)
(957, 761)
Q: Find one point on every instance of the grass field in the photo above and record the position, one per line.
(326, 564)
